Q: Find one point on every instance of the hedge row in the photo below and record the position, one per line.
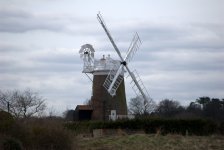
(164, 126)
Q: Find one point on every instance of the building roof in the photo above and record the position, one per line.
(83, 107)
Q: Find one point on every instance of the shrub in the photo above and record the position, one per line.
(11, 144)
(57, 139)
(49, 134)
(221, 128)
(23, 133)
(6, 122)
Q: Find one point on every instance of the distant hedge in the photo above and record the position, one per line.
(149, 125)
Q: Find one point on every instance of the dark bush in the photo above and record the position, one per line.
(23, 133)
(46, 134)
(6, 122)
(11, 144)
(51, 138)
(221, 128)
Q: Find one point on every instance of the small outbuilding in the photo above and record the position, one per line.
(83, 112)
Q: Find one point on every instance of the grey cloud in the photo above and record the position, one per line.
(13, 13)
(157, 37)
(38, 61)
(184, 84)
(179, 62)
(57, 59)
(13, 22)
(35, 66)
(9, 48)
(19, 21)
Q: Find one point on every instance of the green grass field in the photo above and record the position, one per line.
(152, 142)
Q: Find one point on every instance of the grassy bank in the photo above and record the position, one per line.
(152, 142)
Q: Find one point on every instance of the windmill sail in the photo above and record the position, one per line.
(100, 18)
(114, 79)
(134, 46)
(112, 85)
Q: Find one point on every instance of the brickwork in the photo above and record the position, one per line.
(103, 102)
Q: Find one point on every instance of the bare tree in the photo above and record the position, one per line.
(22, 103)
(138, 106)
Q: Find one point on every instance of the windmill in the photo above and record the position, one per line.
(114, 79)
(108, 100)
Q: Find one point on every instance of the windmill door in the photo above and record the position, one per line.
(113, 115)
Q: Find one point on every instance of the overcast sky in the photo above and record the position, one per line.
(181, 56)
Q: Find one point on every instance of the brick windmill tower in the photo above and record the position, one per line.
(108, 101)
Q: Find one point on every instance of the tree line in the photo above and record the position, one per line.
(27, 103)
(203, 107)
